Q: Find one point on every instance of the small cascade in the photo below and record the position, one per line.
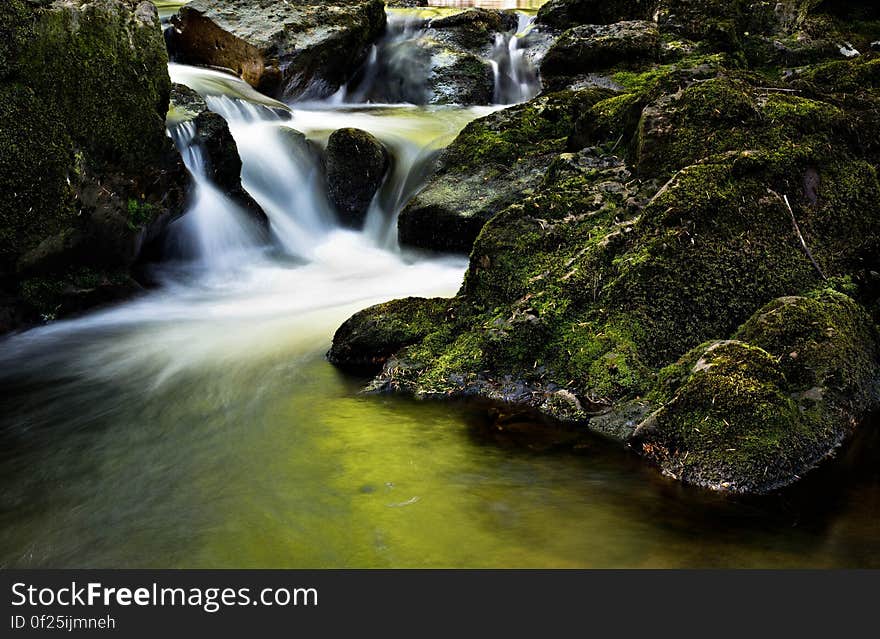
(282, 168)
(401, 66)
(516, 78)
(214, 232)
(281, 172)
(397, 68)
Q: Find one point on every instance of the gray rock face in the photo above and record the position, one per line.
(291, 49)
(356, 166)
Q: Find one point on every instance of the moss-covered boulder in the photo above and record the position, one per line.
(366, 341)
(284, 49)
(657, 267)
(756, 413)
(89, 172)
(356, 167)
(591, 48)
(493, 162)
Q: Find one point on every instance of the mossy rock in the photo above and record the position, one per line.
(90, 172)
(591, 48)
(493, 162)
(756, 413)
(364, 342)
(687, 215)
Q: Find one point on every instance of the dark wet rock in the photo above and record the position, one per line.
(212, 135)
(457, 77)
(564, 14)
(494, 162)
(591, 48)
(356, 167)
(474, 29)
(288, 49)
(89, 173)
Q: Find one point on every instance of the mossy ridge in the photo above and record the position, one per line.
(500, 140)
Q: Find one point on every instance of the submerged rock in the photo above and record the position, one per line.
(223, 163)
(356, 167)
(89, 174)
(299, 48)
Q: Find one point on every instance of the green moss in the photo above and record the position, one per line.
(732, 425)
(535, 128)
(366, 340)
(105, 72)
(140, 214)
(823, 340)
(754, 414)
(728, 113)
(35, 161)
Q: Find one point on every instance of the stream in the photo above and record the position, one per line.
(201, 426)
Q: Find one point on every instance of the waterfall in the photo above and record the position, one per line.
(281, 172)
(215, 232)
(282, 169)
(398, 68)
(516, 78)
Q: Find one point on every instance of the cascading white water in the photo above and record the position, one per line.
(284, 175)
(516, 78)
(281, 173)
(215, 232)
(398, 67)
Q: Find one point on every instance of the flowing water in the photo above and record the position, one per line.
(201, 426)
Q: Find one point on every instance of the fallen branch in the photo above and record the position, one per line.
(797, 230)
